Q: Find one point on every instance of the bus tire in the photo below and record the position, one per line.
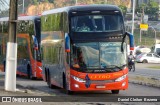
(46, 75)
(65, 86)
(17, 75)
(49, 81)
(115, 91)
(29, 73)
(68, 92)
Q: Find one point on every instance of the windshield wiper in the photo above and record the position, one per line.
(109, 68)
(123, 39)
(114, 66)
(118, 67)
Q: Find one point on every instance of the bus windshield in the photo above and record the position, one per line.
(97, 23)
(98, 55)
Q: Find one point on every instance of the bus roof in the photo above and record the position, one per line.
(97, 7)
(21, 18)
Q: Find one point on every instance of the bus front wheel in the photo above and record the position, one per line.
(65, 86)
(115, 91)
(29, 73)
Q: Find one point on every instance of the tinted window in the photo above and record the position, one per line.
(50, 54)
(38, 29)
(3, 40)
(53, 22)
(5, 27)
(35, 53)
(156, 56)
(97, 55)
(158, 51)
(97, 23)
(149, 55)
(1, 27)
(22, 48)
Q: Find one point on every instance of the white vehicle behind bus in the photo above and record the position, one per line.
(156, 49)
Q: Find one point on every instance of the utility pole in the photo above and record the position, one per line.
(76, 2)
(142, 21)
(23, 8)
(133, 10)
(11, 57)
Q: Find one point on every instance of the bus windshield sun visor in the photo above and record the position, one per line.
(94, 36)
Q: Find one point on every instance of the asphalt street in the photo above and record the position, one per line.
(26, 87)
(145, 70)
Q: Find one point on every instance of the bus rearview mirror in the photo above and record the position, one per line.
(131, 40)
(67, 43)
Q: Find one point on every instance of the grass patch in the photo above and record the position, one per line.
(143, 80)
(155, 67)
(147, 39)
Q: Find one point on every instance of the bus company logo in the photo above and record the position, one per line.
(100, 77)
(6, 99)
(118, 74)
(88, 82)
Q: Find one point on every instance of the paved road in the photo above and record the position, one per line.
(40, 88)
(143, 69)
(133, 90)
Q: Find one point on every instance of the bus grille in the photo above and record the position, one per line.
(101, 81)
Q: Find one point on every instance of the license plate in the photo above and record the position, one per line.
(101, 86)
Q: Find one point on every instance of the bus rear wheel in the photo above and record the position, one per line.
(115, 91)
(49, 81)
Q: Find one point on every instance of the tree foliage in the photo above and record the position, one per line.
(151, 9)
(123, 9)
(63, 3)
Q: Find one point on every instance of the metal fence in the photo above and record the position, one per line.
(147, 38)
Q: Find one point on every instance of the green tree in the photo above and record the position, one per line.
(51, 1)
(151, 9)
(35, 2)
(123, 9)
(140, 8)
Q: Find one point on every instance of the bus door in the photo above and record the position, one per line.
(35, 52)
(38, 30)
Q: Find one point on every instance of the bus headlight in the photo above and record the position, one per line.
(121, 78)
(78, 79)
(40, 68)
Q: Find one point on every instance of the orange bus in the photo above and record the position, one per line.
(84, 48)
(28, 39)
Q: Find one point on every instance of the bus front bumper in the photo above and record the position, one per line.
(77, 86)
